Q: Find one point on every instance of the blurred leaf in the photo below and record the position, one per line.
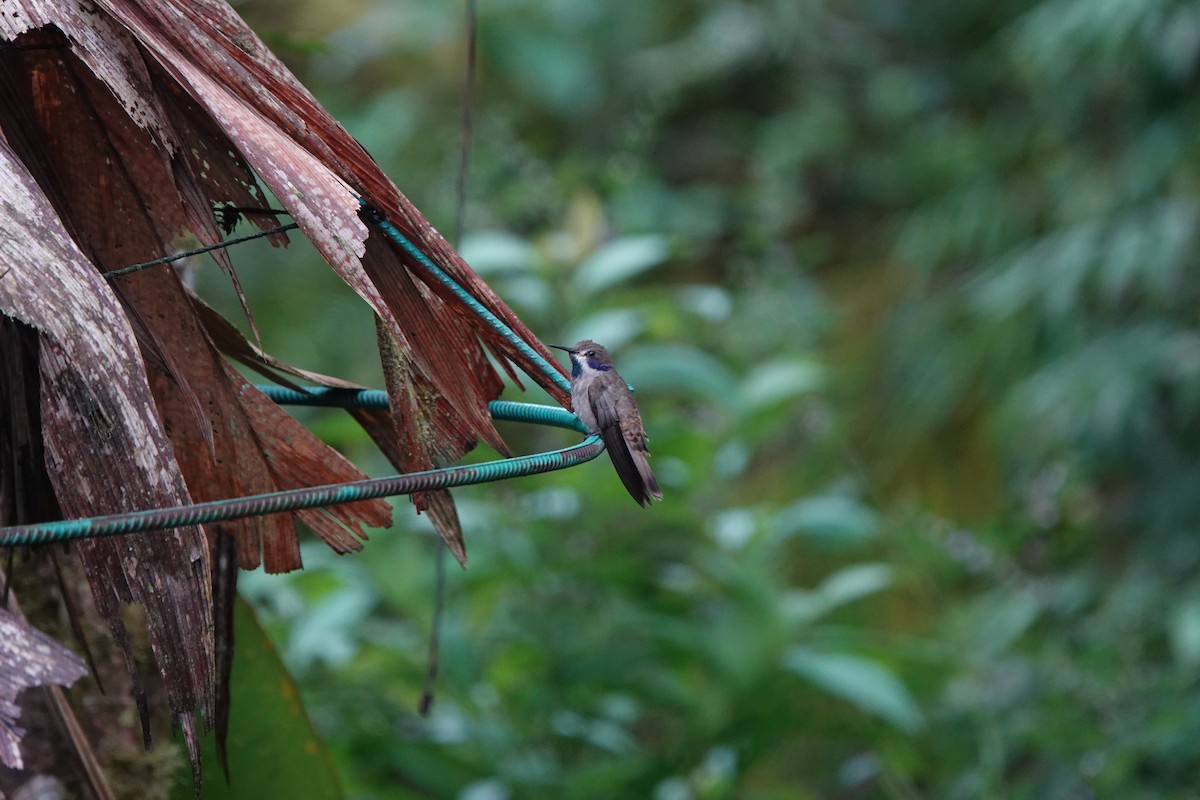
(494, 252)
(865, 683)
(487, 789)
(1139, 251)
(612, 327)
(529, 293)
(619, 261)
(999, 618)
(1184, 629)
(551, 70)
(854, 582)
(733, 527)
(839, 589)
(678, 369)
(711, 302)
(273, 749)
(834, 519)
(776, 381)
(327, 631)
(731, 459)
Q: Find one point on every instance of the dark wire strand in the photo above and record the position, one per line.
(467, 128)
(435, 632)
(252, 209)
(199, 250)
(19, 46)
(460, 212)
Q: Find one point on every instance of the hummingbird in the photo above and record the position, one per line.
(604, 403)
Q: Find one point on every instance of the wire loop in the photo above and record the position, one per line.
(331, 494)
(335, 494)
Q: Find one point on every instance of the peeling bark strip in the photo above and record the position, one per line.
(28, 658)
(105, 447)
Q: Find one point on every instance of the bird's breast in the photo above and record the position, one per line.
(582, 402)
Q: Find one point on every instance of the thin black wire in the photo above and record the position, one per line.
(18, 46)
(251, 209)
(208, 248)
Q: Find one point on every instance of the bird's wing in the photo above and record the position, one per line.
(635, 437)
(626, 444)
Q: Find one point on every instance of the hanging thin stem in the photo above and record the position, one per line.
(460, 210)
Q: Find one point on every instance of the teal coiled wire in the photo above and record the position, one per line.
(333, 494)
(491, 319)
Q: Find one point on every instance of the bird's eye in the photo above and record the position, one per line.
(590, 353)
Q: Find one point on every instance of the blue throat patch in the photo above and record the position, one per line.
(593, 364)
(596, 365)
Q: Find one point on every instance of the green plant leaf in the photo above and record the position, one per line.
(678, 368)
(865, 683)
(839, 589)
(1184, 631)
(273, 749)
(834, 519)
(612, 327)
(776, 381)
(1000, 618)
(619, 261)
(494, 252)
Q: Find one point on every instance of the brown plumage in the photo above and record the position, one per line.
(603, 402)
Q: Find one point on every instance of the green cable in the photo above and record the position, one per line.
(332, 494)
(375, 217)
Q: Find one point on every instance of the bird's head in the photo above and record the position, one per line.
(587, 356)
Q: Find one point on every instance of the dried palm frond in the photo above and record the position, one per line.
(122, 124)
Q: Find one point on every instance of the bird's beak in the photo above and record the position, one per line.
(560, 347)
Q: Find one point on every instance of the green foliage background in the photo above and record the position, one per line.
(909, 295)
